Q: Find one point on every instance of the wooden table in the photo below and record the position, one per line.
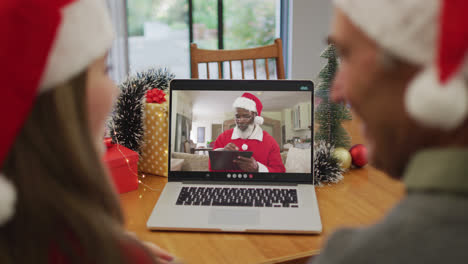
(362, 198)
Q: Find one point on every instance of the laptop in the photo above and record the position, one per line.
(199, 198)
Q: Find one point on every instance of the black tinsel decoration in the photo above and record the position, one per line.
(126, 124)
(326, 167)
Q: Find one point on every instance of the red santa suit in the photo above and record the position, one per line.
(264, 147)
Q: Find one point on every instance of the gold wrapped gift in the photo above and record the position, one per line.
(154, 151)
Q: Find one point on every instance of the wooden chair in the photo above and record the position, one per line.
(274, 51)
(187, 147)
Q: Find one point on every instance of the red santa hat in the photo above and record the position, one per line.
(250, 102)
(49, 42)
(430, 33)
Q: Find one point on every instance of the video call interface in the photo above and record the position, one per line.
(208, 134)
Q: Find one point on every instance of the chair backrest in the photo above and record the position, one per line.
(274, 51)
(187, 147)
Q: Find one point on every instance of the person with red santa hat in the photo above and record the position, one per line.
(247, 135)
(404, 71)
(57, 204)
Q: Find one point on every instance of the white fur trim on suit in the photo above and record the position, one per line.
(85, 35)
(7, 199)
(262, 168)
(256, 134)
(245, 103)
(435, 105)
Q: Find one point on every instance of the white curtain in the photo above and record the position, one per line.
(118, 55)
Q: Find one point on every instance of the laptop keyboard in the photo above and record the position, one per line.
(247, 197)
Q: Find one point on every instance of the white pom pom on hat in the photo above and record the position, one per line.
(434, 104)
(250, 102)
(259, 120)
(49, 42)
(429, 33)
(7, 200)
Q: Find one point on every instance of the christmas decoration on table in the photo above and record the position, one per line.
(108, 142)
(343, 156)
(326, 167)
(154, 151)
(122, 163)
(358, 155)
(126, 124)
(329, 115)
(155, 96)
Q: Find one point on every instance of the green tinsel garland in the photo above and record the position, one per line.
(126, 124)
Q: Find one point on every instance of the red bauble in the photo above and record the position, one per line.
(358, 155)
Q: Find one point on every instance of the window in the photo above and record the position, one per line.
(158, 35)
(160, 31)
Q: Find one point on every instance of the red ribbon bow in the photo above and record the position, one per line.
(155, 96)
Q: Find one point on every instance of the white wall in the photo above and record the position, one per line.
(273, 115)
(290, 131)
(308, 32)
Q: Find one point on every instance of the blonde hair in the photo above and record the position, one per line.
(65, 197)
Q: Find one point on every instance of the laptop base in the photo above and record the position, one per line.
(168, 216)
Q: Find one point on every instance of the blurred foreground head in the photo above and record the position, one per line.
(404, 72)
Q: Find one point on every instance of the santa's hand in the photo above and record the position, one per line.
(231, 146)
(246, 164)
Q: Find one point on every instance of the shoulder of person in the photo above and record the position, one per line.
(353, 246)
(414, 225)
(269, 138)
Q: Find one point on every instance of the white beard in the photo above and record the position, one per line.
(247, 133)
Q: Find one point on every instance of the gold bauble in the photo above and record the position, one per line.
(343, 156)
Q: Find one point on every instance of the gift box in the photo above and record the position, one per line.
(154, 151)
(122, 163)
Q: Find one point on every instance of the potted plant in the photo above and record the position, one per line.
(210, 143)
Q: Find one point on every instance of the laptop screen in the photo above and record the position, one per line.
(238, 130)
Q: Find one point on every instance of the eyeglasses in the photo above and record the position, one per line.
(243, 117)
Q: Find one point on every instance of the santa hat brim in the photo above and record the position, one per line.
(245, 103)
(84, 35)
